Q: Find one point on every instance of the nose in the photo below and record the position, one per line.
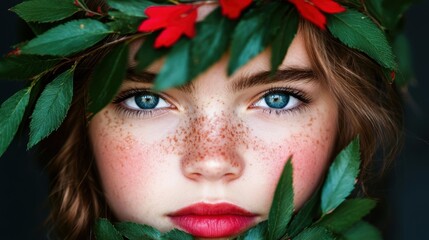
(212, 153)
(224, 165)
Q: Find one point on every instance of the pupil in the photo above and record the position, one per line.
(147, 101)
(277, 100)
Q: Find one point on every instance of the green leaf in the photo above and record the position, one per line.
(257, 232)
(176, 234)
(402, 50)
(134, 231)
(147, 53)
(388, 12)
(24, 66)
(251, 36)
(393, 11)
(133, 8)
(211, 42)
(45, 10)
(347, 214)
(51, 107)
(11, 113)
(305, 216)
(341, 177)
(107, 78)
(357, 31)
(71, 37)
(362, 230)
(284, 28)
(104, 230)
(123, 24)
(315, 233)
(282, 206)
(171, 75)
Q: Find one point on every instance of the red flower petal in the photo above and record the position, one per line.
(310, 12)
(329, 6)
(150, 25)
(167, 11)
(168, 37)
(233, 8)
(176, 20)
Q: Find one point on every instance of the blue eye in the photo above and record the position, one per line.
(278, 100)
(145, 101)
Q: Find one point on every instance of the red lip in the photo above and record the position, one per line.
(213, 220)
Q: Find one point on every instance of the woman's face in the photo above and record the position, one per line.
(206, 158)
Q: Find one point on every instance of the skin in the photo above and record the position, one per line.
(214, 144)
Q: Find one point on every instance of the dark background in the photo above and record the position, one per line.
(23, 184)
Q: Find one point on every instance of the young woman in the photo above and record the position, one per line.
(181, 156)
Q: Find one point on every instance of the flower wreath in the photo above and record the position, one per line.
(68, 31)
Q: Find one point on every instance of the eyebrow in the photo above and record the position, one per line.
(290, 74)
(149, 78)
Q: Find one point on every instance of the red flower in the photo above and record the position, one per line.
(233, 8)
(177, 20)
(312, 10)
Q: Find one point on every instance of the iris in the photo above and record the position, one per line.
(277, 100)
(146, 100)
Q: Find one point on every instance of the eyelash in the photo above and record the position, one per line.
(301, 96)
(128, 112)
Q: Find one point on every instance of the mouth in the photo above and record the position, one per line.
(213, 220)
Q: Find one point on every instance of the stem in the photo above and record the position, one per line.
(77, 59)
(86, 9)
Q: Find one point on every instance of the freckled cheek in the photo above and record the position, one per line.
(122, 163)
(309, 165)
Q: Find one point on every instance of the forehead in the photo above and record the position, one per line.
(295, 66)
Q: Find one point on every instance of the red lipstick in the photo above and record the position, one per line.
(213, 220)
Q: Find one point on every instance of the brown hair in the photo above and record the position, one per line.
(368, 105)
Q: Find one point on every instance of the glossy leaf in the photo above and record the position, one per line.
(211, 42)
(107, 78)
(134, 8)
(123, 24)
(362, 230)
(147, 54)
(347, 214)
(171, 75)
(305, 215)
(258, 232)
(176, 234)
(71, 37)
(357, 31)
(11, 113)
(250, 37)
(315, 233)
(51, 107)
(286, 20)
(45, 10)
(341, 177)
(104, 230)
(24, 66)
(134, 231)
(282, 205)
